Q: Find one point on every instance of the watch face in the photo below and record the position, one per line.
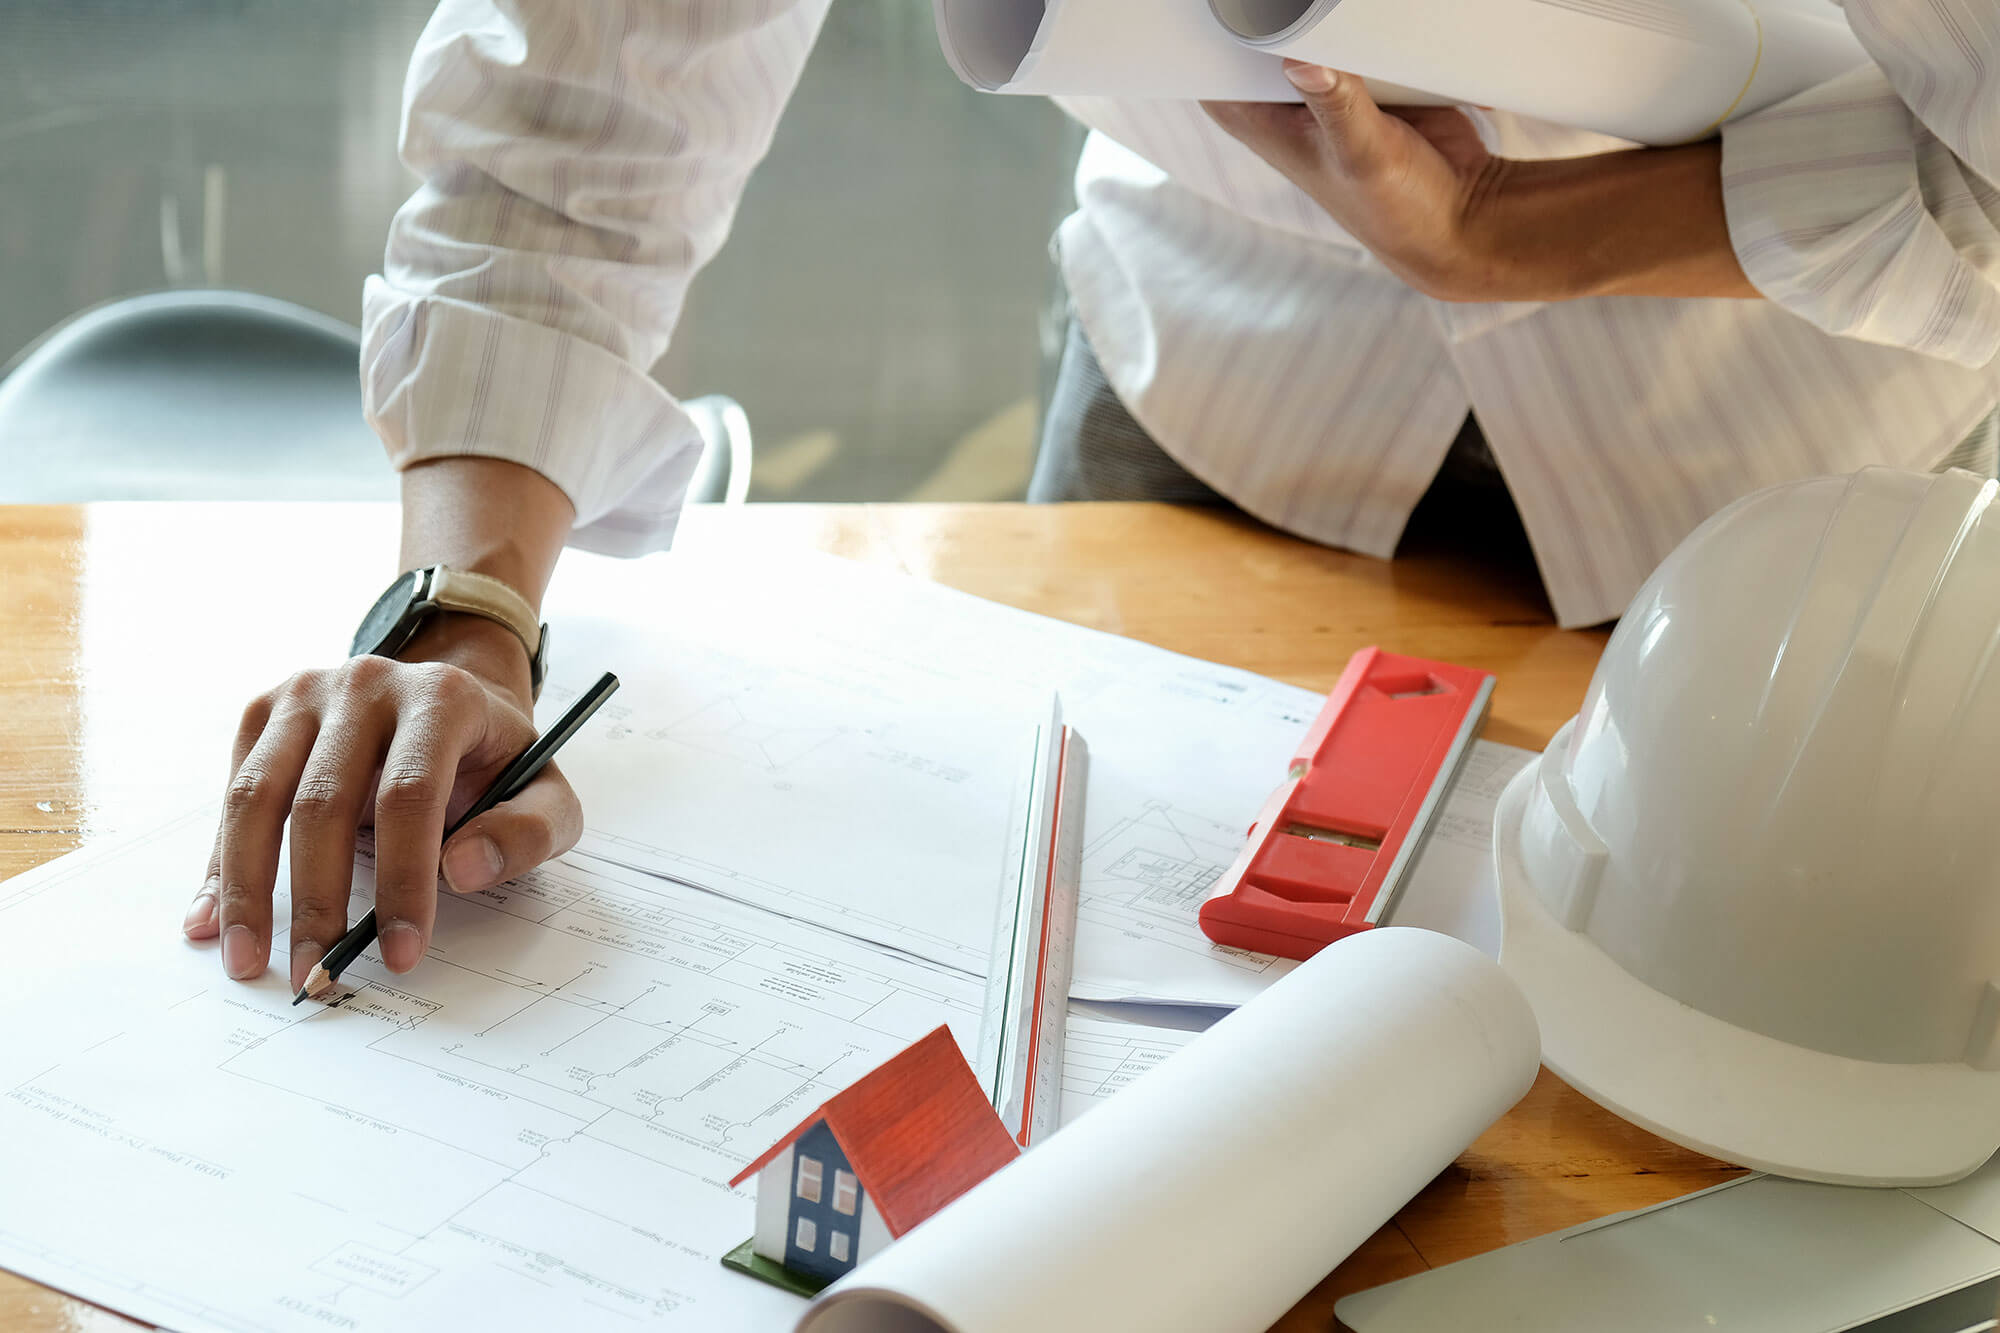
(387, 614)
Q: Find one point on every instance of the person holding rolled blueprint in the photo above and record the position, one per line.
(1285, 296)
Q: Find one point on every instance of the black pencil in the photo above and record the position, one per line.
(508, 785)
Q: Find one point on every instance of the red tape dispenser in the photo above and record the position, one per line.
(1331, 846)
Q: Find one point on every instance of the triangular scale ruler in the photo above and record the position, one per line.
(1034, 948)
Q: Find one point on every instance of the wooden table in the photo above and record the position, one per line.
(133, 631)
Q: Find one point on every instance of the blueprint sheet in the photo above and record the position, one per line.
(1452, 886)
(532, 1131)
(769, 687)
(897, 816)
(1102, 1057)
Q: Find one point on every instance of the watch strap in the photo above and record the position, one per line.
(482, 595)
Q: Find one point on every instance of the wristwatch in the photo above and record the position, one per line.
(422, 593)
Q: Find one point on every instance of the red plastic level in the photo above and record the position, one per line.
(1331, 845)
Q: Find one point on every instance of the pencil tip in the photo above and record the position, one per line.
(300, 997)
(318, 983)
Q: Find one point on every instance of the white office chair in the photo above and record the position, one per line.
(723, 474)
(221, 395)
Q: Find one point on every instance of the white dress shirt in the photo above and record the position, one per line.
(581, 162)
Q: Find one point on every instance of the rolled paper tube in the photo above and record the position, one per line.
(1223, 1185)
(1654, 71)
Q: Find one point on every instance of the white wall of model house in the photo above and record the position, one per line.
(774, 1203)
(874, 1233)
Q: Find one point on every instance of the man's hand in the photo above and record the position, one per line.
(401, 746)
(1417, 187)
(405, 746)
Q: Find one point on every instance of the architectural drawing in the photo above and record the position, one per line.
(536, 1125)
(932, 680)
(892, 820)
(733, 727)
(1145, 877)
(533, 1130)
(1100, 1058)
(1159, 861)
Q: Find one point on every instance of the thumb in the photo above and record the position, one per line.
(515, 836)
(1347, 115)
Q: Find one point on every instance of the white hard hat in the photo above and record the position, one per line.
(1752, 889)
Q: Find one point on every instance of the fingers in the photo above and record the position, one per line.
(449, 719)
(1278, 132)
(327, 810)
(1352, 125)
(203, 920)
(255, 808)
(1338, 125)
(327, 751)
(1449, 130)
(516, 836)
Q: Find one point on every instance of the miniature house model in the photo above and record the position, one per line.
(877, 1159)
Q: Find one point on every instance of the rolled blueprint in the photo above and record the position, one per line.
(1217, 1190)
(1654, 71)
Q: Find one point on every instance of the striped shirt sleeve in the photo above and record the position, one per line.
(579, 164)
(1868, 205)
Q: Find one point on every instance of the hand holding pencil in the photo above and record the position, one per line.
(401, 746)
(511, 781)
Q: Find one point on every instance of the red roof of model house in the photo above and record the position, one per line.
(918, 1132)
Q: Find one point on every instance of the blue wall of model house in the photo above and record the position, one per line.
(818, 1145)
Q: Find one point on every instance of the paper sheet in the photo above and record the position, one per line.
(1656, 71)
(1452, 886)
(1102, 1058)
(1183, 753)
(1214, 1192)
(1104, 48)
(530, 1132)
(888, 809)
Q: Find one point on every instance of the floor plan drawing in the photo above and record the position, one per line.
(808, 793)
(732, 727)
(876, 820)
(801, 808)
(1145, 877)
(537, 1121)
(1158, 861)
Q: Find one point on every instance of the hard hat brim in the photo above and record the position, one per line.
(1717, 1088)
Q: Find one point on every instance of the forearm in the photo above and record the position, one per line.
(1866, 221)
(1649, 222)
(579, 164)
(495, 518)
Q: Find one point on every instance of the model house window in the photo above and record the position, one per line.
(836, 1247)
(806, 1236)
(809, 1178)
(843, 1192)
